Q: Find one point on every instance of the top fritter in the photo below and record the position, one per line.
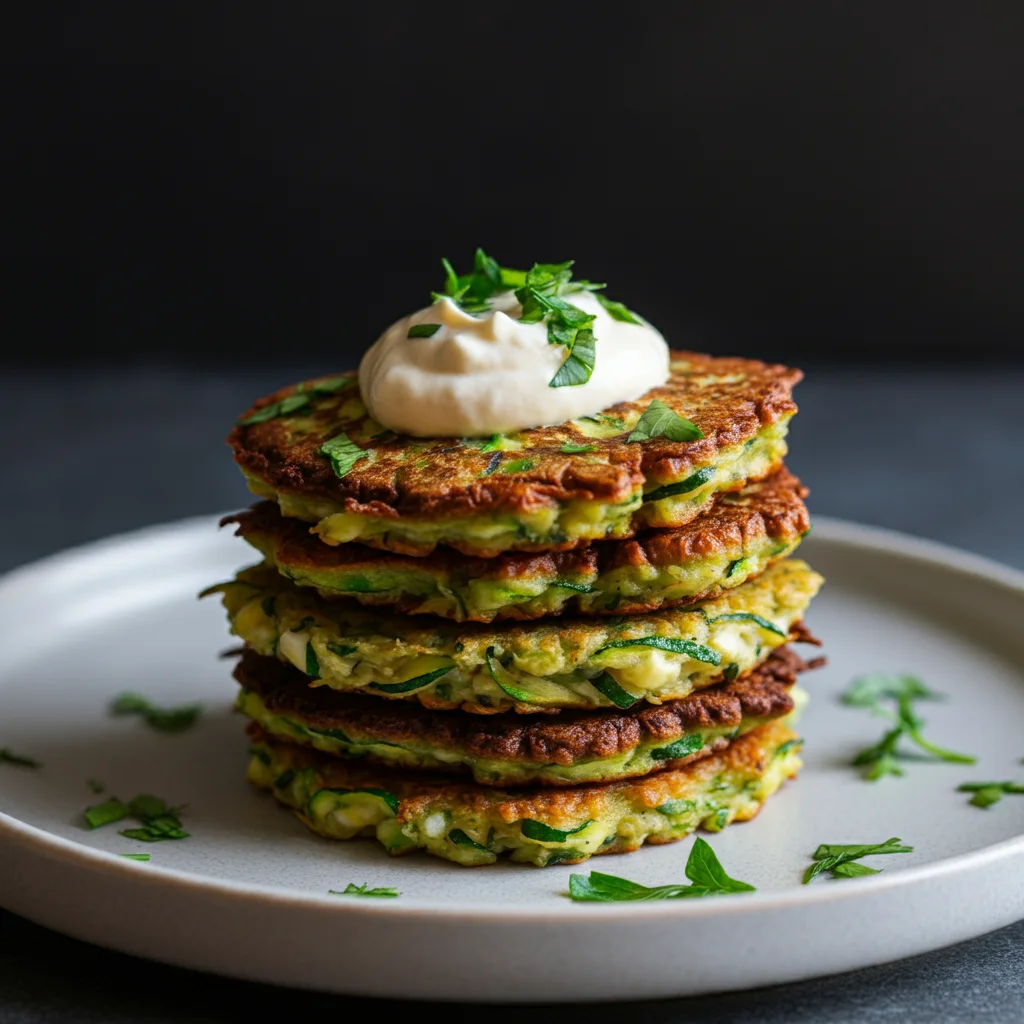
(315, 450)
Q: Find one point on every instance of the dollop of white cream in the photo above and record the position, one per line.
(489, 374)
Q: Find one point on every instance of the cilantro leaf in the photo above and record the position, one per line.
(985, 794)
(161, 719)
(617, 311)
(364, 890)
(9, 757)
(866, 691)
(838, 858)
(423, 330)
(703, 869)
(343, 453)
(658, 420)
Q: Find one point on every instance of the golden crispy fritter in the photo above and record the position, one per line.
(403, 482)
(739, 536)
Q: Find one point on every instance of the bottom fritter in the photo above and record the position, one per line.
(471, 824)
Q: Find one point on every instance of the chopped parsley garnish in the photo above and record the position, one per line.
(162, 719)
(988, 793)
(343, 453)
(423, 330)
(658, 420)
(157, 821)
(703, 869)
(300, 399)
(539, 292)
(10, 757)
(569, 448)
(839, 860)
(364, 890)
(883, 758)
(135, 856)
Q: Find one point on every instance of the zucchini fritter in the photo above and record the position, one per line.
(537, 666)
(471, 824)
(545, 489)
(735, 540)
(512, 750)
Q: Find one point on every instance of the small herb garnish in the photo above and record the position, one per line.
(158, 821)
(703, 869)
(343, 453)
(517, 466)
(106, 813)
(579, 363)
(839, 859)
(617, 311)
(423, 330)
(569, 448)
(298, 400)
(135, 856)
(364, 890)
(10, 757)
(882, 758)
(658, 420)
(162, 719)
(988, 793)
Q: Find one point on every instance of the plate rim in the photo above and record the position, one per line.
(830, 529)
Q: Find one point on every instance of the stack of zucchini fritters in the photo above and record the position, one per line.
(565, 641)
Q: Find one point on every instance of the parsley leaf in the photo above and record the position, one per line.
(9, 757)
(364, 890)
(658, 420)
(702, 869)
(617, 311)
(838, 858)
(106, 813)
(157, 821)
(299, 400)
(343, 453)
(988, 793)
(162, 719)
(883, 758)
(579, 363)
(423, 330)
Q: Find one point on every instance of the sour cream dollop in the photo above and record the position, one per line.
(489, 374)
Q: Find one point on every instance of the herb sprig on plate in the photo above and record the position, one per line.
(841, 861)
(364, 890)
(703, 869)
(157, 820)
(876, 691)
(10, 757)
(161, 719)
(985, 794)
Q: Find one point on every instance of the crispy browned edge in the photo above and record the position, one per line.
(419, 792)
(453, 484)
(565, 739)
(775, 511)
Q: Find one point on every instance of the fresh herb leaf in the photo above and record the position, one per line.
(493, 444)
(691, 483)
(760, 620)
(364, 890)
(609, 688)
(10, 757)
(343, 453)
(658, 420)
(985, 794)
(162, 719)
(283, 407)
(106, 813)
(135, 856)
(579, 363)
(669, 643)
(852, 869)
(542, 833)
(96, 786)
(882, 758)
(703, 869)
(158, 821)
(617, 311)
(416, 683)
(423, 330)
(569, 448)
(830, 856)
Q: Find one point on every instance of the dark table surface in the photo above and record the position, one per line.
(938, 453)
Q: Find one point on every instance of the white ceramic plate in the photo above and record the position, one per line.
(246, 895)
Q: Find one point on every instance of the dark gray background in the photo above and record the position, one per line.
(937, 453)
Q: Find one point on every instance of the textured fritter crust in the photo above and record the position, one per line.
(669, 567)
(566, 739)
(730, 399)
(472, 824)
